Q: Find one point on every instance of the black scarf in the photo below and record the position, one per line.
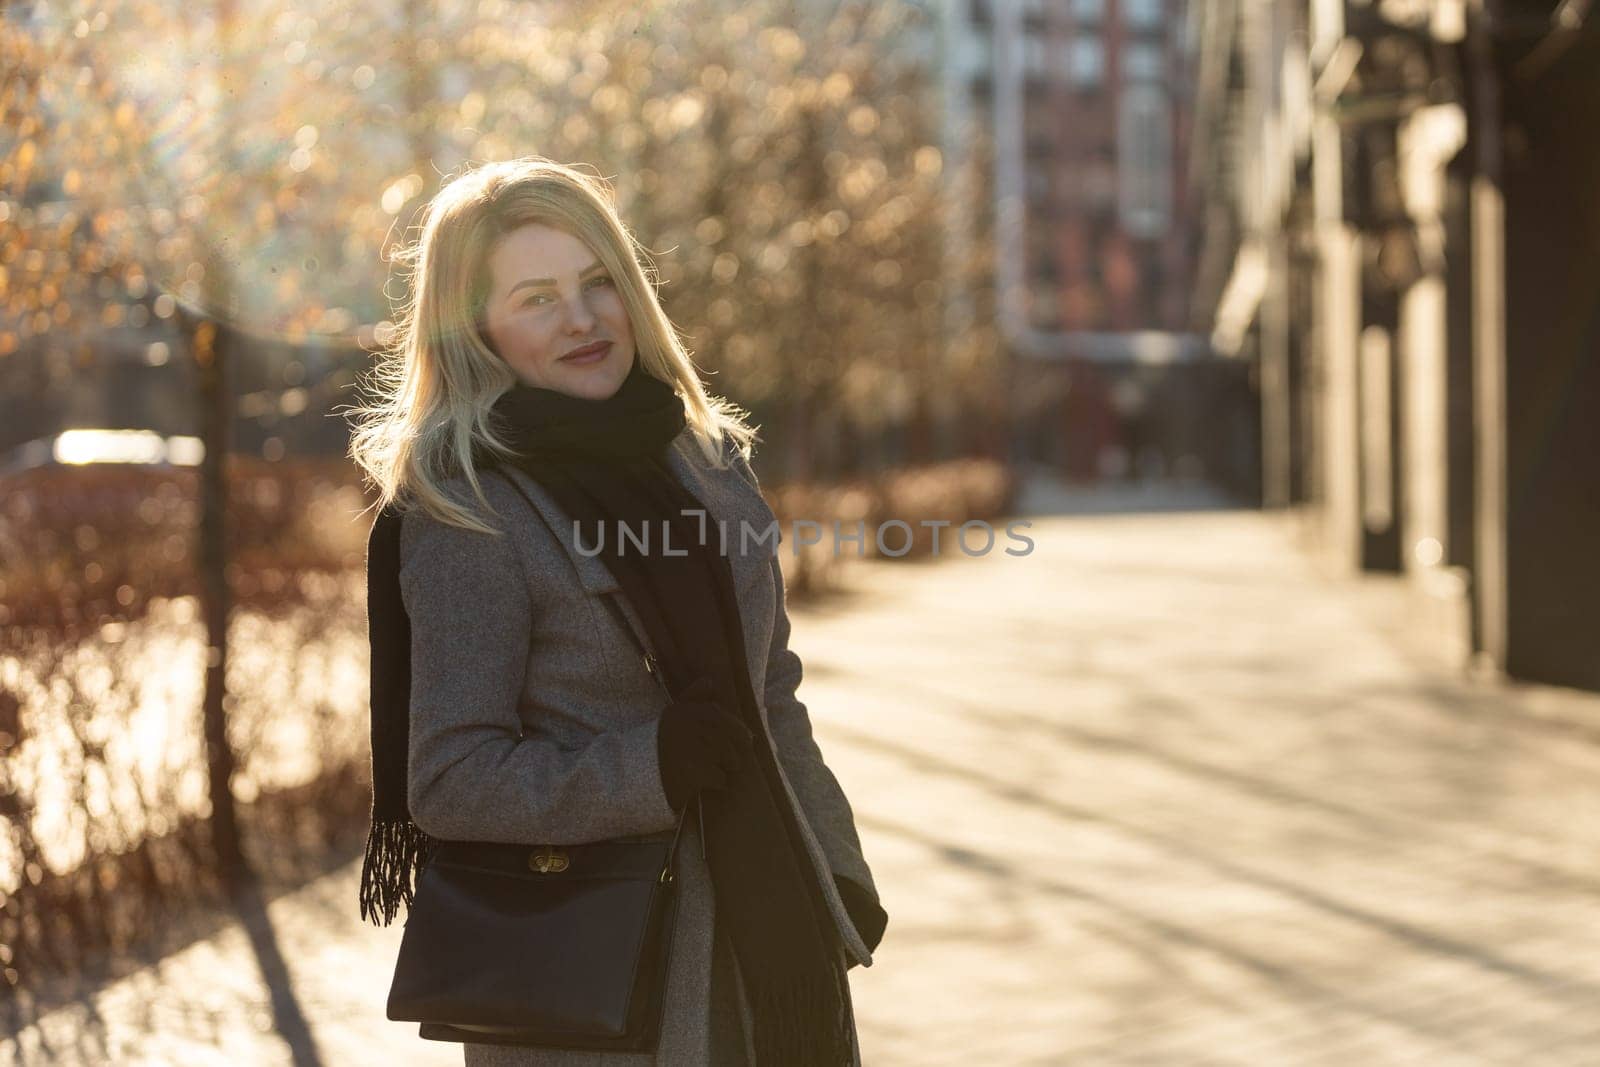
(604, 463)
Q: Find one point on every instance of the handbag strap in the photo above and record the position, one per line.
(650, 665)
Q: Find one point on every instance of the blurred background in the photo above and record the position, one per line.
(1279, 319)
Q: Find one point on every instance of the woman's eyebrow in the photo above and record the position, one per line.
(526, 282)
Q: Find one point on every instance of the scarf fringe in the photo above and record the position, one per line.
(396, 850)
(801, 1022)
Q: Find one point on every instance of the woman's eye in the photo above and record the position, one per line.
(533, 300)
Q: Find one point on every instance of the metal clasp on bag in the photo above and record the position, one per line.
(548, 860)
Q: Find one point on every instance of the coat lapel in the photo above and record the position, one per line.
(593, 574)
(685, 461)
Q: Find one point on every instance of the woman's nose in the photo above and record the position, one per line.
(579, 315)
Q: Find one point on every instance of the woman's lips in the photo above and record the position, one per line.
(588, 354)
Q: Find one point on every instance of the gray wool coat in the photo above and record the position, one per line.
(533, 721)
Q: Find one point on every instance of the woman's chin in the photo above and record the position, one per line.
(596, 381)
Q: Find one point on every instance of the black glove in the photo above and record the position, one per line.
(699, 745)
(866, 914)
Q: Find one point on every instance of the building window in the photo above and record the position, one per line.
(1087, 56)
(1039, 119)
(1035, 55)
(1042, 256)
(1088, 10)
(1142, 61)
(1045, 305)
(1095, 183)
(1144, 161)
(1143, 14)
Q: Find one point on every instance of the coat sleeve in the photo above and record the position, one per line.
(472, 775)
(826, 808)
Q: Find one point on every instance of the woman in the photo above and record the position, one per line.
(535, 365)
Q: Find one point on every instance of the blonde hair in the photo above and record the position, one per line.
(436, 382)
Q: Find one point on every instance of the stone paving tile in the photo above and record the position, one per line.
(1159, 794)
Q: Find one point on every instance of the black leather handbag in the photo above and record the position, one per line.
(549, 946)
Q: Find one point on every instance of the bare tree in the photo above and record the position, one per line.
(212, 345)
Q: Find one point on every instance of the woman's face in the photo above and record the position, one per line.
(554, 314)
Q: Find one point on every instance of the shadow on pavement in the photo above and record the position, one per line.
(288, 1020)
(68, 1020)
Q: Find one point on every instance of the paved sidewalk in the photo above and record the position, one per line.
(1157, 793)
(1160, 794)
(302, 983)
